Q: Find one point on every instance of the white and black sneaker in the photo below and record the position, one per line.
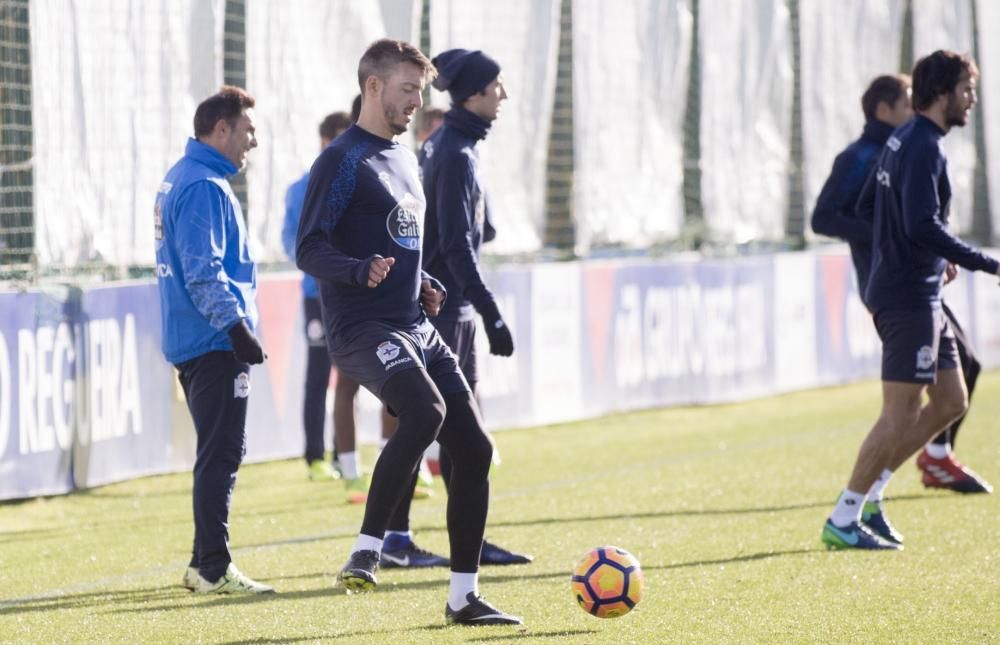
(359, 572)
(479, 612)
(191, 577)
(232, 581)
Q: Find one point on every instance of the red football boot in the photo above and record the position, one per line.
(949, 473)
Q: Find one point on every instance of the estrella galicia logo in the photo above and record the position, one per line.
(405, 222)
(387, 351)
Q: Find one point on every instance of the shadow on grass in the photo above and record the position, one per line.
(169, 517)
(710, 512)
(706, 512)
(177, 598)
(510, 633)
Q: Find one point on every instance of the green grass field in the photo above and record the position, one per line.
(723, 506)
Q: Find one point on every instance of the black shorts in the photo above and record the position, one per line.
(380, 351)
(916, 343)
(460, 336)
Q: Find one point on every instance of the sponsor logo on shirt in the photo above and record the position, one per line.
(883, 178)
(405, 222)
(893, 144)
(398, 361)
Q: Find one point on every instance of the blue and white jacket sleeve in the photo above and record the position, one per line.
(290, 225)
(329, 192)
(456, 219)
(202, 239)
(922, 217)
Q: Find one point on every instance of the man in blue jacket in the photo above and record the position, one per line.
(457, 223)
(913, 254)
(361, 237)
(208, 289)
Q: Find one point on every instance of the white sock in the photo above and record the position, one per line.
(367, 543)
(848, 508)
(348, 464)
(461, 585)
(939, 450)
(877, 491)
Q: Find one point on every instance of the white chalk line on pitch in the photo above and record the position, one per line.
(350, 531)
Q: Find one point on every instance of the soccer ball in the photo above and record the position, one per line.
(607, 582)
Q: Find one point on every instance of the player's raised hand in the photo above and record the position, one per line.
(378, 270)
(431, 299)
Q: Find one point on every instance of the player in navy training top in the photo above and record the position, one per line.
(886, 104)
(361, 237)
(457, 224)
(907, 198)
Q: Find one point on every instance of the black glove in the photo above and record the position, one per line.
(497, 331)
(246, 347)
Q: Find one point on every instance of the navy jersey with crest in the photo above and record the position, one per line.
(908, 197)
(364, 198)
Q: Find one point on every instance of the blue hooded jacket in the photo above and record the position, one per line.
(206, 277)
(294, 198)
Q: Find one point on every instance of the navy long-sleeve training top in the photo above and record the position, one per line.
(909, 194)
(457, 212)
(835, 213)
(364, 198)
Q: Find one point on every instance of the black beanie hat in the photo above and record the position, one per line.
(463, 73)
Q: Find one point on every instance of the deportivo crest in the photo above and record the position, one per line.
(925, 357)
(405, 222)
(387, 351)
(241, 386)
(384, 178)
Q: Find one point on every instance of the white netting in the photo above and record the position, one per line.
(988, 13)
(948, 25)
(522, 36)
(302, 64)
(844, 46)
(746, 107)
(630, 64)
(114, 97)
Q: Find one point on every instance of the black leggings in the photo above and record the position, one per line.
(424, 414)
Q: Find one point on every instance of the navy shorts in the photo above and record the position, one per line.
(916, 343)
(380, 351)
(460, 336)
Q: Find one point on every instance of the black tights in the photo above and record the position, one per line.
(454, 420)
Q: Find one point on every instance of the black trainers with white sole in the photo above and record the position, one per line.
(479, 612)
(359, 572)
